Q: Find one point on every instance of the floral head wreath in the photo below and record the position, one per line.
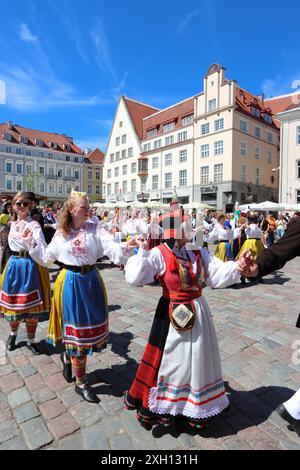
(78, 194)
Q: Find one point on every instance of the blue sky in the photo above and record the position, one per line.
(66, 62)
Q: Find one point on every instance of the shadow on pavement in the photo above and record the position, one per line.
(278, 279)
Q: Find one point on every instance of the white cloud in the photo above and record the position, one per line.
(26, 35)
(280, 85)
(187, 19)
(102, 48)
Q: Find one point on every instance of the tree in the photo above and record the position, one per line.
(31, 182)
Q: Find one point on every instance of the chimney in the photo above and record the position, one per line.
(9, 124)
(87, 151)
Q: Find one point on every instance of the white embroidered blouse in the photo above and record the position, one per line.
(15, 241)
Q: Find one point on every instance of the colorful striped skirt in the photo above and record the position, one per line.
(24, 290)
(79, 313)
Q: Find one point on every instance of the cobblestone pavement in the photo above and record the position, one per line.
(255, 326)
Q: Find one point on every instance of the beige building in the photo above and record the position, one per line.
(287, 108)
(93, 175)
(217, 147)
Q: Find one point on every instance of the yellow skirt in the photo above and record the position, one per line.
(221, 252)
(254, 245)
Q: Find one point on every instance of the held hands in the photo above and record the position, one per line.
(247, 265)
(136, 242)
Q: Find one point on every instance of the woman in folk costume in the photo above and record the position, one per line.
(255, 238)
(180, 373)
(224, 235)
(24, 285)
(79, 313)
(154, 231)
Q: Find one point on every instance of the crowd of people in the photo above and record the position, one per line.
(171, 248)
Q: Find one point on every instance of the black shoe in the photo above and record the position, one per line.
(87, 393)
(10, 343)
(67, 370)
(34, 348)
(295, 423)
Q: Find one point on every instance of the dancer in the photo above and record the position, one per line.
(79, 313)
(24, 285)
(224, 235)
(180, 373)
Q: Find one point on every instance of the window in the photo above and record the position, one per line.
(9, 185)
(257, 132)
(117, 140)
(270, 157)
(23, 139)
(243, 173)
(219, 124)
(147, 147)
(51, 172)
(8, 168)
(270, 137)
(182, 156)
(298, 135)
(298, 169)
(117, 188)
(68, 159)
(124, 187)
(19, 185)
(243, 126)
(154, 162)
(76, 175)
(124, 139)
(205, 128)
(42, 187)
(187, 120)
(212, 104)
(28, 153)
(218, 173)
(182, 177)
(97, 189)
(182, 136)
(143, 186)
(109, 189)
(155, 182)
(76, 159)
(152, 132)
(130, 152)
(257, 153)
(120, 123)
(170, 140)
(169, 126)
(60, 189)
(219, 147)
(51, 188)
(124, 170)
(42, 171)
(123, 153)
(157, 144)
(243, 148)
(18, 151)
(116, 172)
(205, 151)
(133, 186)
(268, 118)
(8, 149)
(133, 167)
(7, 136)
(168, 180)
(111, 158)
(204, 174)
(257, 176)
(168, 159)
(90, 175)
(109, 173)
(255, 112)
(28, 169)
(298, 196)
(90, 189)
(117, 156)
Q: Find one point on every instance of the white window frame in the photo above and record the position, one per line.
(212, 104)
(183, 156)
(168, 180)
(243, 148)
(219, 124)
(204, 174)
(243, 128)
(157, 144)
(257, 152)
(182, 178)
(169, 126)
(243, 173)
(218, 172)
(204, 151)
(257, 132)
(168, 159)
(205, 128)
(155, 182)
(182, 136)
(219, 147)
(169, 140)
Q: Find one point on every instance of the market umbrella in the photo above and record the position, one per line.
(198, 205)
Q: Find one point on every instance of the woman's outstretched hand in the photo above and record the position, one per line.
(247, 264)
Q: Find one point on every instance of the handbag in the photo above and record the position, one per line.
(182, 315)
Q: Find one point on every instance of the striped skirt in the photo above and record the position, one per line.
(24, 290)
(79, 313)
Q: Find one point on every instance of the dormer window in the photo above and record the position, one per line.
(39, 142)
(7, 136)
(53, 145)
(268, 118)
(23, 139)
(67, 147)
(169, 126)
(255, 112)
(152, 132)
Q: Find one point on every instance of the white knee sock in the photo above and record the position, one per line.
(293, 405)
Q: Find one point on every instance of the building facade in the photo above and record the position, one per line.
(217, 147)
(93, 175)
(49, 164)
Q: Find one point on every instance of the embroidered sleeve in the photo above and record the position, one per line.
(144, 266)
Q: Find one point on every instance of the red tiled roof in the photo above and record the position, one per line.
(282, 103)
(46, 137)
(138, 111)
(96, 157)
(245, 100)
(174, 113)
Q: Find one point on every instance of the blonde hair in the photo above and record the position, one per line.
(65, 217)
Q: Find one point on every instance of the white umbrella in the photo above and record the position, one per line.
(98, 204)
(198, 205)
(292, 207)
(123, 204)
(138, 204)
(267, 206)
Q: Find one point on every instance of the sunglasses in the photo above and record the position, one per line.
(23, 203)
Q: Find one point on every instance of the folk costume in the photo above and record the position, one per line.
(180, 373)
(24, 285)
(224, 236)
(254, 241)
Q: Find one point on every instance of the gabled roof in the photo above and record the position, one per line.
(138, 111)
(246, 100)
(282, 103)
(60, 139)
(96, 157)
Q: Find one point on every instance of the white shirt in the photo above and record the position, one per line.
(220, 233)
(253, 231)
(17, 229)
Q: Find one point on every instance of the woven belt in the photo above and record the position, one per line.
(254, 238)
(85, 269)
(20, 254)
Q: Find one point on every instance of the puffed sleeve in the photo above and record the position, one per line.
(144, 266)
(118, 253)
(218, 274)
(38, 249)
